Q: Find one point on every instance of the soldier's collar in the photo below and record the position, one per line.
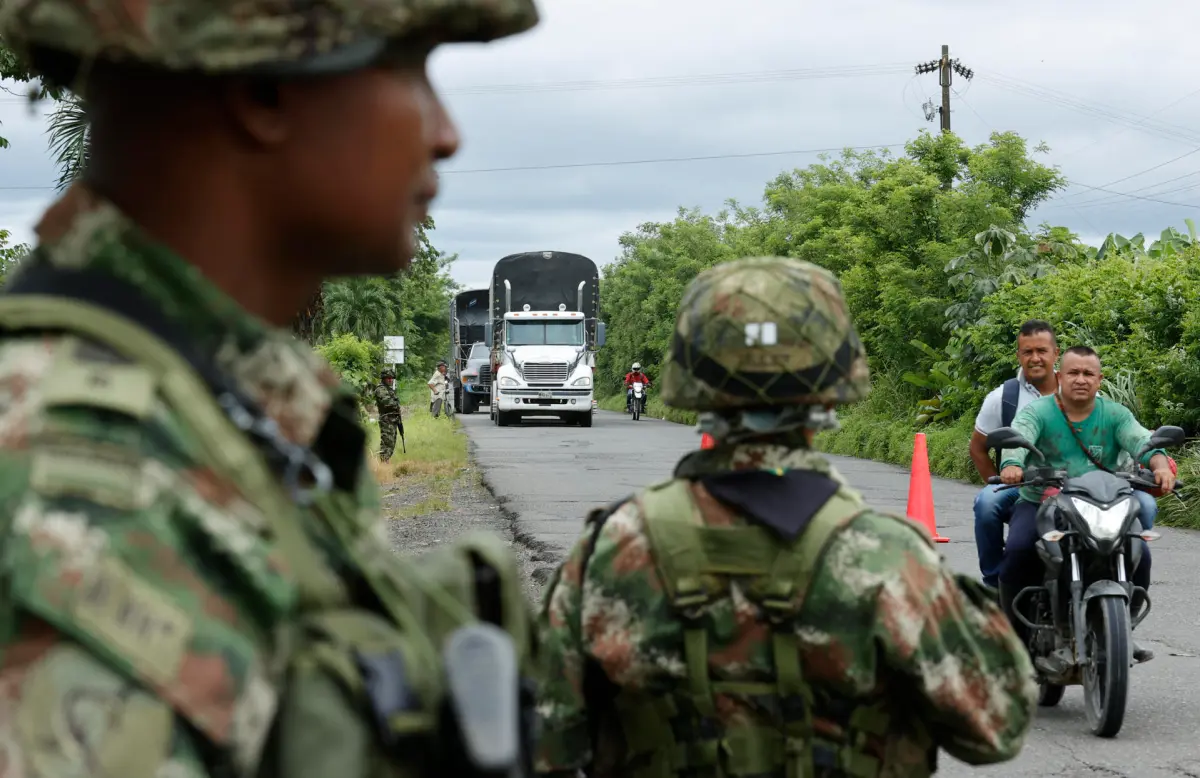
(781, 456)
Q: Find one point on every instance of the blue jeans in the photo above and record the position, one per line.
(994, 507)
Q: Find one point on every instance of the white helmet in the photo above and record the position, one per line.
(637, 366)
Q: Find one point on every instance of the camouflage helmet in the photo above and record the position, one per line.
(387, 372)
(253, 37)
(764, 332)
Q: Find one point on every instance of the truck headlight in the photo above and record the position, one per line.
(506, 381)
(582, 381)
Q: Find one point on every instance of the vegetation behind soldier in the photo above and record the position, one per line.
(178, 600)
(698, 621)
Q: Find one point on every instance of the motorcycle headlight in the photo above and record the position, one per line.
(1104, 524)
(506, 381)
(582, 381)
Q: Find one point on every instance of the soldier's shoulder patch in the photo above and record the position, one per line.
(181, 603)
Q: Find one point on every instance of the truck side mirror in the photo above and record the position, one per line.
(600, 334)
(487, 334)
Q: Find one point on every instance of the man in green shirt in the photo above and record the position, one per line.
(1102, 430)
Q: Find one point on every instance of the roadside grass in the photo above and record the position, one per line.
(437, 451)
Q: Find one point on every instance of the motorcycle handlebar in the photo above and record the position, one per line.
(1060, 476)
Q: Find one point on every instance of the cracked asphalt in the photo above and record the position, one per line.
(547, 476)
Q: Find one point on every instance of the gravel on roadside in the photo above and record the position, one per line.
(472, 507)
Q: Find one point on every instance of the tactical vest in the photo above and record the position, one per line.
(430, 679)
(678, 732)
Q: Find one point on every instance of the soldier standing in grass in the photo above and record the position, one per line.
(387, 405)
(752, 615)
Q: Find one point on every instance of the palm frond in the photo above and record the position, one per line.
(69, 139)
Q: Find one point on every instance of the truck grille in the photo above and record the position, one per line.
(485, 375)
(545, 372)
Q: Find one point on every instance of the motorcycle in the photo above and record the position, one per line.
(1080, 622)
(639, 400)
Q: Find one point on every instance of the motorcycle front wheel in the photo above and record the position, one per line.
(1106, 673)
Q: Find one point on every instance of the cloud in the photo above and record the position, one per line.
(1070, 73)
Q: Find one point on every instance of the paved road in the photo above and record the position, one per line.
(550, 475)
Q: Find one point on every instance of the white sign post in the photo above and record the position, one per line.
(394, 345)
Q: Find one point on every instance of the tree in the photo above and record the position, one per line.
(10, 256)
(365, 307)
(887, 226)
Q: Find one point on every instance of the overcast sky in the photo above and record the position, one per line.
(1109, 86)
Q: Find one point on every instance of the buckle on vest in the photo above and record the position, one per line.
(690, 597)
(778, 610)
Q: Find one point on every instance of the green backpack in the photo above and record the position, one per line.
(673, 732)
(434, 680)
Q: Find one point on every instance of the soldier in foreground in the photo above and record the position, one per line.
(751, 616)
(195, 577)
(387, 406)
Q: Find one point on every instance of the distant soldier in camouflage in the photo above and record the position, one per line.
(195, 574)
(751, 615)
(387, 404)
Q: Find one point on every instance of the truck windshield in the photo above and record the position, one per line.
(538, 333)
(478, 351)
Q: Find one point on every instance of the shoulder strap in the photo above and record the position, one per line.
(44, 298)
(1067, 420)
(1008, 401)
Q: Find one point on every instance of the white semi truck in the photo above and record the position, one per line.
(544, 333)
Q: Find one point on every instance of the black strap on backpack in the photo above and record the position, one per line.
(1009, 396)
(1008, 401)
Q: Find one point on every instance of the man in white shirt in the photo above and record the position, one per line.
(438, 391)
(1037, 353)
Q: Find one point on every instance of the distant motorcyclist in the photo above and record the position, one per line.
(1076, 431)
(635, 374)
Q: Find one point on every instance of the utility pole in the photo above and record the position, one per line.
(944, 67)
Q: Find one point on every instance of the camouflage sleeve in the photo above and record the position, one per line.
(139, 597)
(564, 745)
(946, 635)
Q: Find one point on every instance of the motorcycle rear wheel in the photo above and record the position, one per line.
(1106, 674)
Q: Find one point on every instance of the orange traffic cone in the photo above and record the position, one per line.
(920, 490)
(707, 441)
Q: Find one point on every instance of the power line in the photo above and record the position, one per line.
(1134, 196)
(1061, 99)
(660, 82)
(612, 163)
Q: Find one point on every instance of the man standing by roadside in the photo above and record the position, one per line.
(387, 404)
(1037, 353)
(439, 396)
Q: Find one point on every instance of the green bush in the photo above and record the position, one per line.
(357, 361)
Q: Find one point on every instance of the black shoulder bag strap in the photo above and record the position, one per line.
(1075, 435)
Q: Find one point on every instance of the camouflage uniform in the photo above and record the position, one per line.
(388, 407)
(151, 590)
(693, 625)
